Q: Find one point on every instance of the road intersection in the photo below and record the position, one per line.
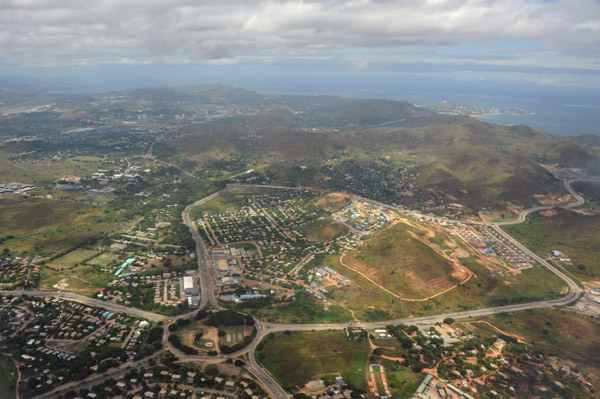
(206, 276)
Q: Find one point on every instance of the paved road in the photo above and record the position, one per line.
(567, 183)
(207, 294)
(91, 301)
(205, 269)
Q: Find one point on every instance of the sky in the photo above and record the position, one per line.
(504, 43)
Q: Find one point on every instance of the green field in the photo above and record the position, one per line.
(402, 381)
(378, 380)
(324, 230)
(370, 303)
(73, 258)
(82, 279)
(103, 260)
(400, 263)
(46, 172)
(577, 236)
(8, 377)
(295, 358)
(563, 333)
(44, 226)
(304, 309)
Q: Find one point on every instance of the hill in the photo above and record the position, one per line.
(403, 264)
(575, 235)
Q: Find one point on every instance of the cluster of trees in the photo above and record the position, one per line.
(176, 341)
(229, 318)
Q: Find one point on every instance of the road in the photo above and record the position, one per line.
(205, 272)
(567, 183)
(205, 269)
(93, 302)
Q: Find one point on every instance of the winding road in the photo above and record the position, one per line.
(207, 283)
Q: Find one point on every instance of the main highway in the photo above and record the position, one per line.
(207, 282)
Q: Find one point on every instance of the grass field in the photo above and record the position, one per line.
(324, 230)
(304, 309)
(485, 289)
(8, 377)
(577, 236)
(47, 171)
(402, 382)
(563, 333)
(332, 202)
(378, 380)
(402, 264)
(72, 258)
(295, 358)
(43, 226)
(103, 260)
(84, 280)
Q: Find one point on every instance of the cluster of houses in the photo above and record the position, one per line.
(271, 222)
(21, 271)
(366, 217)
(168, 288)
(105, 176)
(18, 188)
(56, 331)
(14, 317)
(159, 384)
(489, 241)
(322, 278)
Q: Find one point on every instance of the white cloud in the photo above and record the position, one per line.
(106, 31)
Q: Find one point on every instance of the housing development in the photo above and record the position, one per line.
(212, 243)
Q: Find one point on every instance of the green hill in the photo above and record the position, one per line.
(576, 235)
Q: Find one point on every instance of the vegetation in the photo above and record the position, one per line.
(297, 357)
(8, 377)
(575, 235)
(228, 318)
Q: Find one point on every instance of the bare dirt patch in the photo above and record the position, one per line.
(332, 202)
(549, 213)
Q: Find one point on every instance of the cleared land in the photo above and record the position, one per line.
(576, 235)
(296, 358)
(230, 200)
(332, 202)
(82, 279)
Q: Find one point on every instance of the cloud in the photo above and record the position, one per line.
(55, 32)
(558, 82)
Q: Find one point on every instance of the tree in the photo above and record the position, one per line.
(449, 320)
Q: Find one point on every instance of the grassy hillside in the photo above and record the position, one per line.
(481, 164)
(402, 264)
(297, 357)
(577, 236)
(41, 226)
(563, 333)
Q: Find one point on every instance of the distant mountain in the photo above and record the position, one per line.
(480, 164)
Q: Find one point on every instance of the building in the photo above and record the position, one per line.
(190, 286)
